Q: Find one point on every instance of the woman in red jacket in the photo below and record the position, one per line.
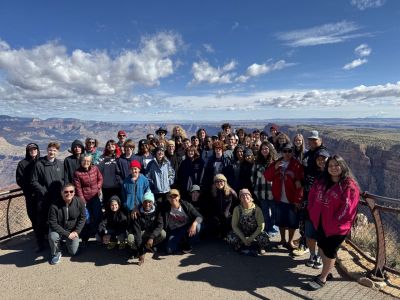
(332, 206)
(88, 182)
(286, 175)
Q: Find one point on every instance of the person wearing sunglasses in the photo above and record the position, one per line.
(121, 139)
(286, 175)
(66, 221)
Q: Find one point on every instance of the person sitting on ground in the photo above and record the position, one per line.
(332, 206)
(66, 220)
(248, 235)
(113, 227)
(146, 231)
(223, 200)
(182, 223)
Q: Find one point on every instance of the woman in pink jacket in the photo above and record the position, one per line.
(332, 206)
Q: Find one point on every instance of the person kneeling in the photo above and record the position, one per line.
(146, 229)
(112, 229)
(182, 223)
(248, 235)
(66, 220)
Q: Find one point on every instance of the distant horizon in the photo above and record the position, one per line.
(200, 60)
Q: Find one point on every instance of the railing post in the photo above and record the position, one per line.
(380, 260)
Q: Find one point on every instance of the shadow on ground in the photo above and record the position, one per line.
(230, 270)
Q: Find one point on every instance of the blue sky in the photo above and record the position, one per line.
(200, 60)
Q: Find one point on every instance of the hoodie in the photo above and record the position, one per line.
(72, 162)
(24, 170)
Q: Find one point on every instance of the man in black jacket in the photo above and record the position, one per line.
(147, 228)
(66, 220)
(47, 180)
(23, 178)
(72, 162)
(182, 223)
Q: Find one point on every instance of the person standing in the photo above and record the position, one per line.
(66, 220)
(72, 162)
(332, 206)
(23, 178)
(47, 180)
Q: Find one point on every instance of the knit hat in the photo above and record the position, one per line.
(220, 177)
(121, 132)
(148, 196)
(243, 192)
(248, 152)
(135, 164)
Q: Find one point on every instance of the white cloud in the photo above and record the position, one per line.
(209, 48)
(325, 34)
(363, 50)
(49, 71)
(364, 4)
(256, 70)
(355, 63)
(204, 72)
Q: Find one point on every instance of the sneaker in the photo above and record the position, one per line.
(317, 262)
(56, 259)
(310, 261)
(300, 251)
(262, 252)
(187, 249)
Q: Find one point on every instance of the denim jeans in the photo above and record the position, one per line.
(268, 208)
(178, 235)
(54, 241)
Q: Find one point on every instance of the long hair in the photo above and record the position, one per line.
(117, 152)
(299, 153)
(182, 132)
(271, 157)
(346, 172)
(227, 189)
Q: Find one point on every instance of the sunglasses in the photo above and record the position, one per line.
(287, 151)
(122, 135)
(69, 192)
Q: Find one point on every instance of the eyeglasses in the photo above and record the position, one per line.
(91, 142)
(69, 191)
(122, 135)
(287, 151)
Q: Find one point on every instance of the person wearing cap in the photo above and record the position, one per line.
(310, 234)
(172, 156)
(133, 189)
(286, 175)
(46, 181)
(273, 130)
(190, 171)
(161, 176)
(146, 231)
(72, 162)
(223, 200)
(91, 145)
(248, 235)
(121, 139)
(126, 158)
(161, 132)
(23, 177)
(144, 153)
(88, 182)
(182, 223)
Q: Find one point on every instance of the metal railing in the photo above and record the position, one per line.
(376, 234)
(13, 217)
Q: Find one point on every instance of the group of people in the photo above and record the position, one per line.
(242, 187)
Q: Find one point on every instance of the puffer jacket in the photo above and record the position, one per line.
(88, 183)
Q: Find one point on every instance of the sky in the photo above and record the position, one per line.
(200, 60)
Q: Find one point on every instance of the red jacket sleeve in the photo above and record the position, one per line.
(349, 202)
(269, 173)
